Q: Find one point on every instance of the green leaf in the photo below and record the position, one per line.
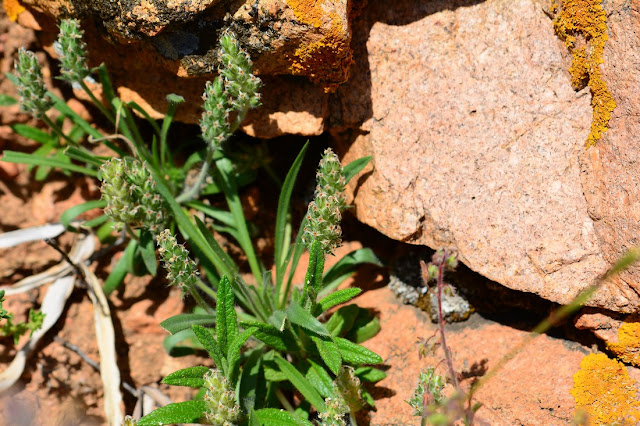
(233, 357)
(34, 134)
(320, 379)
(191, 377)
(342, 320)
(6, 100)
(268, 334)
(61, 106)
(276, 417)
(183, 321)
(354, 167)
(346, 266)
(370, 374)
(301, 383)
(173, 347)
(356, 354)
(119, 271)
(209, 342)
(20, 157)
(96, 221)
(81, 154)
(226, 263)
(179, 412)
(329, 353)
(226, 319)
(297, 315)
(337, 298)
(281, 243)
(148, 251)
(252, 386)
(362, 333)
(75, 211)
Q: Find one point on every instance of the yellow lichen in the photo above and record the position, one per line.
(13, 8)
(582, 25)
(603, 389)
(627, 348)
(329, 58)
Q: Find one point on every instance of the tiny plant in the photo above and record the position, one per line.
(9, 329)
(271, 341)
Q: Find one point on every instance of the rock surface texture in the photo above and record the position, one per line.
(479, 142)
(301, 48)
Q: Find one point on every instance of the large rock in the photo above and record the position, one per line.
(479, 142)
(301, 48)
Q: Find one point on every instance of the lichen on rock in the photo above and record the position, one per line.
(627, 348)
(582, 25)
(603, 389)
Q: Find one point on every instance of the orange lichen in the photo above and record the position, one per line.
(627, 348)
(13, 8)
(329, 58)
(603, 389)
(582, 24)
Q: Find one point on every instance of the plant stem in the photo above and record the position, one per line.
(205, 288)
(199, 300)
(57, 129)
(194, 190)
(284, 401)
(96, 102)
(443, 339)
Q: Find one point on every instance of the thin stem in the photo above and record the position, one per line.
(96, 102)
(284, 401)
(208, 290)
(57, 130)
(352, 419)
(443, 339)
(199, 300)
(193, 191)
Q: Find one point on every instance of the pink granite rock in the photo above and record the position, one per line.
(479, 143)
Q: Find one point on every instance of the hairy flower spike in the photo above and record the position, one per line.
(72, 51)
(213, 123)
(237, 71)
(181, 270)
(33, 93)
(221, 399)
(324, 212)
(336, 410)
(131, 195)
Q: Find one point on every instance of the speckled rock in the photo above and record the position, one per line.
(149, 44)
(479, 143)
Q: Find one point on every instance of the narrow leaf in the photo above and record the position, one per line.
(356, 354)
(337, 298)
(346, 266)
(301, 383)
(370, 374)
(191, 377)
(268, 334)
(226, 319)
(75, 211)
(362, 333)
(329, 353)
(276, 417)
(179, 412)
(34, 134)
(183, 321)
(20, 157)
(119, 271)
(209, 342)
(6, 100)
(353, 168)
(252, 386)
(320, 379)
(342, 320)
(297, 315)
(148, 251)
(233, 357)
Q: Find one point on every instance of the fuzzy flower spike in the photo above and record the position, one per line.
(33, 93)
(324, 213)
(72, 51)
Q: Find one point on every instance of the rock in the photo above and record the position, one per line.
(173, 45)
(479, 143)
(546, 365)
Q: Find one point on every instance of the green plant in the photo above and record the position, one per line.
(9, 329)
(296, 344)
